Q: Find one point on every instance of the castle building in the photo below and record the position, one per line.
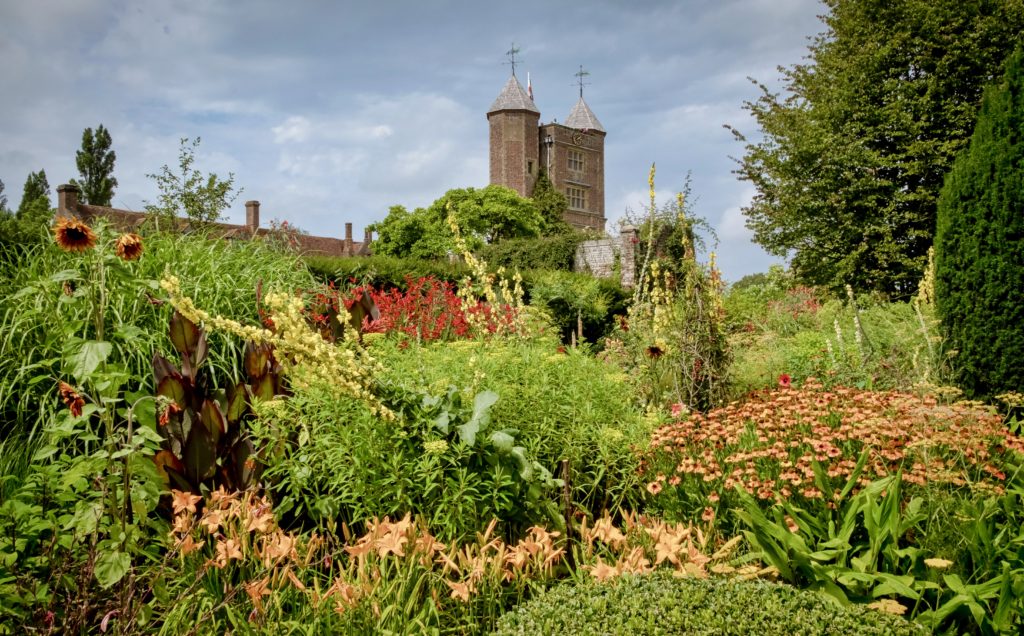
(572, 153)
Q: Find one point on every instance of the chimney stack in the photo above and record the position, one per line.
(252, 216)
(348, 239)
(67, 200)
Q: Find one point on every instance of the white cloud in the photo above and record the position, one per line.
(295, 128)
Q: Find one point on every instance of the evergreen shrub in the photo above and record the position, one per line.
(979, 251)
(383, 272)
(660, 603)
(556, 252)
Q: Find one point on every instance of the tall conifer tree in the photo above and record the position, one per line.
(95, 163)
(979, 245)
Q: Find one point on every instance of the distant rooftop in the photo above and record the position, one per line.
(513, 97)
(582, 118)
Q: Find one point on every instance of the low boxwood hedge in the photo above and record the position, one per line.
(662, 604)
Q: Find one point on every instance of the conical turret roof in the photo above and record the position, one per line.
(582, 118)
(513, 97)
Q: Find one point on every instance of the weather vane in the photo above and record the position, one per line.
(511, 53)
(580, 75)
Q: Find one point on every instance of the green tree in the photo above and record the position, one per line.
(551, 204)
(3, 198)
(34, 212)
(200, 198)
(852, 155)
(95, 163)
(35, 194)
(485, 215)
(979, 251)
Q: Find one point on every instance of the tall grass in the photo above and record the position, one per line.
(38, 317)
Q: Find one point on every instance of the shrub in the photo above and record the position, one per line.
(979, 257)
(577, 303)
(557, 252)
(663, 604)
(383, 272)
(564, 406)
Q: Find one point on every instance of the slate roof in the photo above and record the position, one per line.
(582, 118)
(513, 97)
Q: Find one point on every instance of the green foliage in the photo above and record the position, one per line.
(27, 224)
(863, 551)
(35, 194)
(663, 604)
(555, 252)
(486, 215)
(45, 309)
(95, 162)
(383, 272)
(552, 206)
(672, 342)
(864, 342)
(3, 199)
(577, 303)
(78, 518)
(204, 441)
(445, 461)
(199, 198)
(979, 255)
(854, 152)
(566, 407)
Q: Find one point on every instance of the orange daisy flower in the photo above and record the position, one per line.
(129, 247)
(73, 235)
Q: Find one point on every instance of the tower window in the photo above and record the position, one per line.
(529, 166)
(577, 198)
(575, 161)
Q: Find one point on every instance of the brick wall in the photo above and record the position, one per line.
(127, 220)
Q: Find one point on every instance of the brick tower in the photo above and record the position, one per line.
(572, 153)
(513, 119)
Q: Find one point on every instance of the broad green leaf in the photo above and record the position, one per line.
(90, 355)
(111, 567)
(87, 515)
(65, 275)
(501, 441)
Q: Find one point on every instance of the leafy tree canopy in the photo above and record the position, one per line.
(201, 199)
(35, 194)
(95, 163)
(28, 223)
(485, 215)
(551, 204)
(3, 198)
(854, 151)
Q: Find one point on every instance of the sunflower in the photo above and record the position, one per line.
(129, 247)
(73, 235)
(71, 398)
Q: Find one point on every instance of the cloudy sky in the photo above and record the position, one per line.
(331, 111)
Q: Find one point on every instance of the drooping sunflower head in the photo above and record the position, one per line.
(73, 235)
(129, 247)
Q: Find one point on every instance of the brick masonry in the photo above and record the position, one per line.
(126, 220)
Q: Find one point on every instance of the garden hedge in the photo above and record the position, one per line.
(662, 604)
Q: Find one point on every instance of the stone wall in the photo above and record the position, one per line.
(602, 257)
